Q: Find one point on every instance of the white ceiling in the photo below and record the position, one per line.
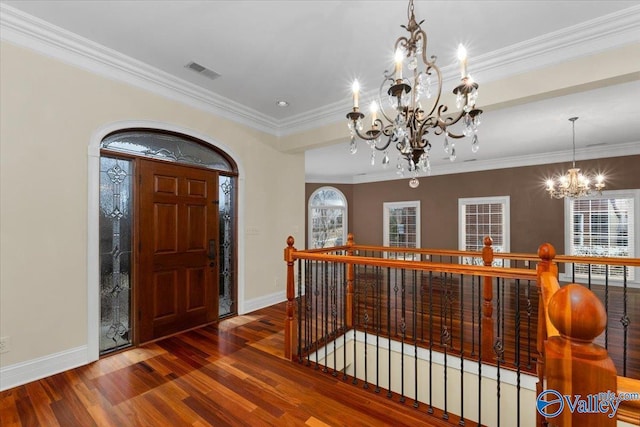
(307, 53)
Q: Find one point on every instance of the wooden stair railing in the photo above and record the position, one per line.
(488, 322)
(570, 318)
(629, 410)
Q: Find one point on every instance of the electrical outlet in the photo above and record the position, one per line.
(4, 344)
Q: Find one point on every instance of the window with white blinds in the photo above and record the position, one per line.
(479, 217)
(401, 226)
(603, 226)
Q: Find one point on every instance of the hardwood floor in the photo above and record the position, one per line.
(230, 374)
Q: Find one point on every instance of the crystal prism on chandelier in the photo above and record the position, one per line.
(573, 184)
(408, 114)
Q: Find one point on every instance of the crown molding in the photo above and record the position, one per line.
(28, 31)
(588, 153)
(587, 38)
(607, 32)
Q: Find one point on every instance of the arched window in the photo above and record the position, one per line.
(327, 218)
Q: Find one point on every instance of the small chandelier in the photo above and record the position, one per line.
(573, 184)
(414, 114)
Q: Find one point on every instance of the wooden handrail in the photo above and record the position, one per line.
(477, 270)
(517, 256)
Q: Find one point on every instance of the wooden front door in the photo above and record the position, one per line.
(178, 232)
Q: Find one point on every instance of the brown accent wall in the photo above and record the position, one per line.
(535, 217)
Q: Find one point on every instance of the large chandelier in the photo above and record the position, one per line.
(573, 184)
(409, 114)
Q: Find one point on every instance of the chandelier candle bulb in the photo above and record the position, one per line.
(356, 89)
(462, 56)
(374, 113)
(398, 59)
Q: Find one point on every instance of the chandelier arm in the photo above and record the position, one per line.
(367, 137)
(387, 78)
(425, 125)
(447, 121)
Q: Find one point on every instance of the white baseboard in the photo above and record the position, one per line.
(264, 301)
(35, 369)
(41, 367)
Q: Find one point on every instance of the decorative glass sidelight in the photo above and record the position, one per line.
(226, 206)
(115, 253)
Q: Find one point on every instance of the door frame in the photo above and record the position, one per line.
(93, 199)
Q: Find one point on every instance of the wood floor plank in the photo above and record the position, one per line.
(230, 374)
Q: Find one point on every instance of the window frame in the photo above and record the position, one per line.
(505, 201)
(310, 207)
(387, 206)
(634, 280)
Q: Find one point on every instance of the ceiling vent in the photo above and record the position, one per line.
(194, 66)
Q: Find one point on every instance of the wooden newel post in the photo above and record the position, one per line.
(290, 331)
(546, 253)
(487, 304)
(350, 278)
(577, 367)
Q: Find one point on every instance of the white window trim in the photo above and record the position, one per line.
(506, 219)
(635, 194)
(345, 217)
(387, 206)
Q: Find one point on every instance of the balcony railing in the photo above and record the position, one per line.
(453, 337)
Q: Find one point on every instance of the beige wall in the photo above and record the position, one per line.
(48, 113)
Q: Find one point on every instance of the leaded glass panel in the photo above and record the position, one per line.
(226, 206)
(166, 146)
(115, 253)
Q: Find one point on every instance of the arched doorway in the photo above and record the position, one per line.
(167, 235)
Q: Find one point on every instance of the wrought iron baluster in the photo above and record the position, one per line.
(389, 327)
(461, 301)
(529, 313)
(316, 294)
(403, 331)
(504, 300)
(344, 323)
(415, 339)
(498, 348)
(356, 322)
(473, 315)
(334, 316)
(517, 357)
(625, 321)
(430, 409)
(480, 301)
(379, 273)
(301, 312)
(445, 339)
(606, 305)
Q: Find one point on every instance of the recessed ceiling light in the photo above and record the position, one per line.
(282, 104)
